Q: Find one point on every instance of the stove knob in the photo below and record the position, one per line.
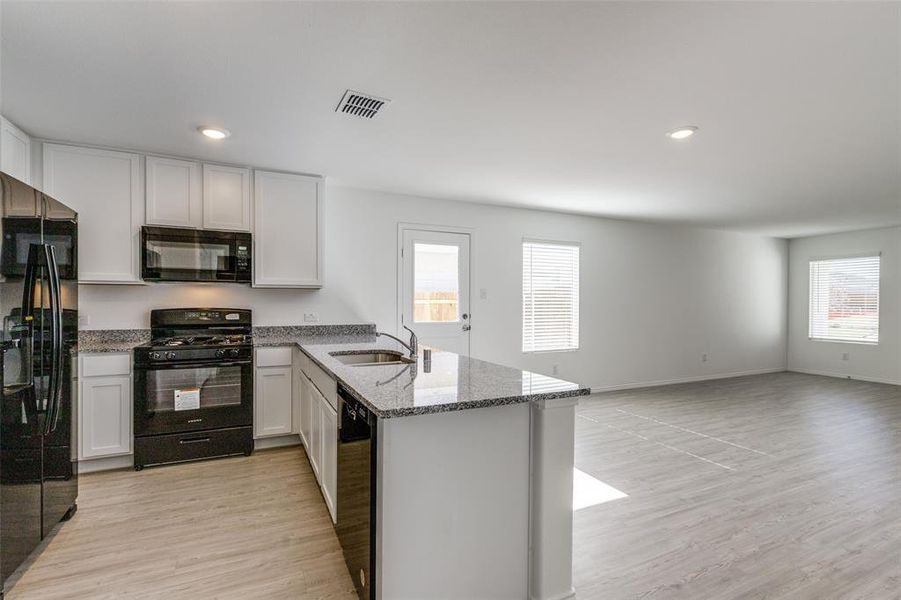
(220, 352)
(233, 352)
(170, 355)
(155, 356)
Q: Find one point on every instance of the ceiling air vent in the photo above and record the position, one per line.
(361, 105)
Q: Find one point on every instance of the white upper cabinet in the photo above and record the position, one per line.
(287, 230)
(226, 198)
(105, 187)
(174, 193)
(15, 151)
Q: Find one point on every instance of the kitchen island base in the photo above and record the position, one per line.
(463, 497)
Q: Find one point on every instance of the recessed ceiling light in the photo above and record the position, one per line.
(214, 133)
(682, 132)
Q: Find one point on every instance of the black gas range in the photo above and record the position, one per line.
(193, 386)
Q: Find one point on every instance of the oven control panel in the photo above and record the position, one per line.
(212, 355)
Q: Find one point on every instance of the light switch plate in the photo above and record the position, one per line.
(310, 318)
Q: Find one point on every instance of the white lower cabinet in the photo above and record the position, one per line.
(273, 392)
(272, 401)
(306, 410)
(319, 428)
(105, 406)
(296, 385)
(328, 467)
(314, 448)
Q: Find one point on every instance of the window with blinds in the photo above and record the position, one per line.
(550, 296)
(844, 299)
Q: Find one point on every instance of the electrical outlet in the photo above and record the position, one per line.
(483, 293)
(846, 356)
(556, 369)
(84, 321)
(310, 318)
(704, 357)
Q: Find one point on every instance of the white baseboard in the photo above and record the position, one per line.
(107, 463)
(693, 379)
(277, 441)
(846, 376)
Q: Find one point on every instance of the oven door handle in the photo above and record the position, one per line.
(192, 365)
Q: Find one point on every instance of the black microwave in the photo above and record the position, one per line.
(177, 254)
(19, 233)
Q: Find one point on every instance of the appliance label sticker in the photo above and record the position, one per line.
(187, 399)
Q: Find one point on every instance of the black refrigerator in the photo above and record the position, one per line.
(39, 308)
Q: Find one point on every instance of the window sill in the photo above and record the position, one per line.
(837, 341)
(551, 351)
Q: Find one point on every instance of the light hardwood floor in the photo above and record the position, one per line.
(773, 486)
(245, 528)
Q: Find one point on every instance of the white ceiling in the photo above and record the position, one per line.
(557, 106)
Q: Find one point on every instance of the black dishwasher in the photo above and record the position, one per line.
(357, 428)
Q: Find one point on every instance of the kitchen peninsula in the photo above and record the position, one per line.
(473, 468)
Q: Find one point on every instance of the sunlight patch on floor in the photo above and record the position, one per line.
(589, 491)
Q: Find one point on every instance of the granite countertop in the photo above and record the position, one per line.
(448, 382)
(124, 340)
(111, 340)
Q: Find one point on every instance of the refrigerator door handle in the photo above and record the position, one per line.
(56, 324)
(35, 252)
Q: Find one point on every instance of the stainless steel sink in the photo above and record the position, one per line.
(373, 359)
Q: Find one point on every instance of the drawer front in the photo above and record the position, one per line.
(327, 386)
(274, 357)
(303, 361)
(103, 365)
(162, 449)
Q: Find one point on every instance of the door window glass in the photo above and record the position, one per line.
(436, 283)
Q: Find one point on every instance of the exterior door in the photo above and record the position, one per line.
(435, 288)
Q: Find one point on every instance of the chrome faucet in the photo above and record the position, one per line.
(413, 346)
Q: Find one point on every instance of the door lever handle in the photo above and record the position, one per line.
(467, 327)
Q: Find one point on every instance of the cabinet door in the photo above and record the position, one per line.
(296, 386)
(272, 402)
(104, 186)
(287, 226)
(306, 410)
(105, 416)
(173, 193)
(226, 198)
(15, 153)
(314, 449)
(328, 467)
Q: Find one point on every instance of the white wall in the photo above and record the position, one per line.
(876, 363)
(653, 298)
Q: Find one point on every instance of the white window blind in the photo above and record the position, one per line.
(550, 296)
(844, 299)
